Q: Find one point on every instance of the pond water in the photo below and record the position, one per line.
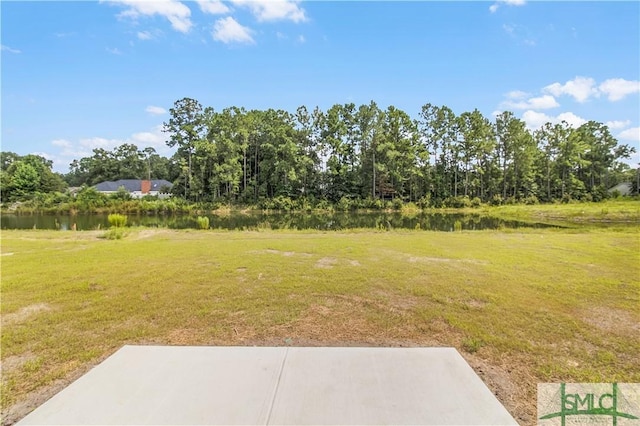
(299, 220)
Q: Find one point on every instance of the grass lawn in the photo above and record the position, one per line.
(522, 306)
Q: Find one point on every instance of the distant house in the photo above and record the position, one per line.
(623, 188)
(136, 187)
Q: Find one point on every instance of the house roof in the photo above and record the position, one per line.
(624, 188)
(131, 185)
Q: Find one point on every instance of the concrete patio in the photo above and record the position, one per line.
(163, 385)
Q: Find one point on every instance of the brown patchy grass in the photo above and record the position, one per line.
(522, 307)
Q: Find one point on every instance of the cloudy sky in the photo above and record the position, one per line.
(82, 75)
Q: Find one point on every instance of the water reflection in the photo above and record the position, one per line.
(242, 221)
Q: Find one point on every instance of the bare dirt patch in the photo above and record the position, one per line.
(25, 313)
(282, 253)
(612, 320)
(397, 301)
(15, 362)
(475, 303)
(326, 263)
(148, 233)
(423, 259)
(503, 382)
(33, 400)
(185, 336)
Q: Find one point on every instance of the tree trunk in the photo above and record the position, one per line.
(373, 194)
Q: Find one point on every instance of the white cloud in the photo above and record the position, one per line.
(144, 139)
(494, 7)
(9, 49)
(114, 51)
(571, 119)
(63, 143)
(174, 11)
(617, 124)
(618, 88)
(274, 10)
(632, 134)
(228, 30)
(541, 102)
(97, 142)
(580, 88)
(517, 94)
(510, 29)
(519, 33)
(213, 7)
(301, 39)
(535, 120)
(145, 35)
(67, 151)
(583, 88)
(155, 110)
(44, 155)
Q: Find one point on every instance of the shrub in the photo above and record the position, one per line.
(323, 204)
(117, 220)
(397, 203)
(372, 203)
(457, 202)
(410, 206)
(203, 222)
(88, 198)
(510, 201)
(279, 202)
(496, 200)
(305, 203)
(115, 234)
(344, 204)
(120, 194)
(424, 202)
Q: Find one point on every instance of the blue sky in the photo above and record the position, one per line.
(83, 75)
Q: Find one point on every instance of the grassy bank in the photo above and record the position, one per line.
(621, 210)
(522, 307)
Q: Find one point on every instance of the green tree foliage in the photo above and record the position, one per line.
(186, 128)
(25, 177)
(123, 162)
(351, 156)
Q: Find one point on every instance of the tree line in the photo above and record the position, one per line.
(353, 152)
(369, 153)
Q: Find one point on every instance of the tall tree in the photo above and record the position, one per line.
(439, 129)
(185, 127)
(368, 132)
(516, 152)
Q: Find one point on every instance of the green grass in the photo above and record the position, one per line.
(536, 306)
(622, 210)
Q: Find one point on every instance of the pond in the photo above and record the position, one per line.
(300, 220)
